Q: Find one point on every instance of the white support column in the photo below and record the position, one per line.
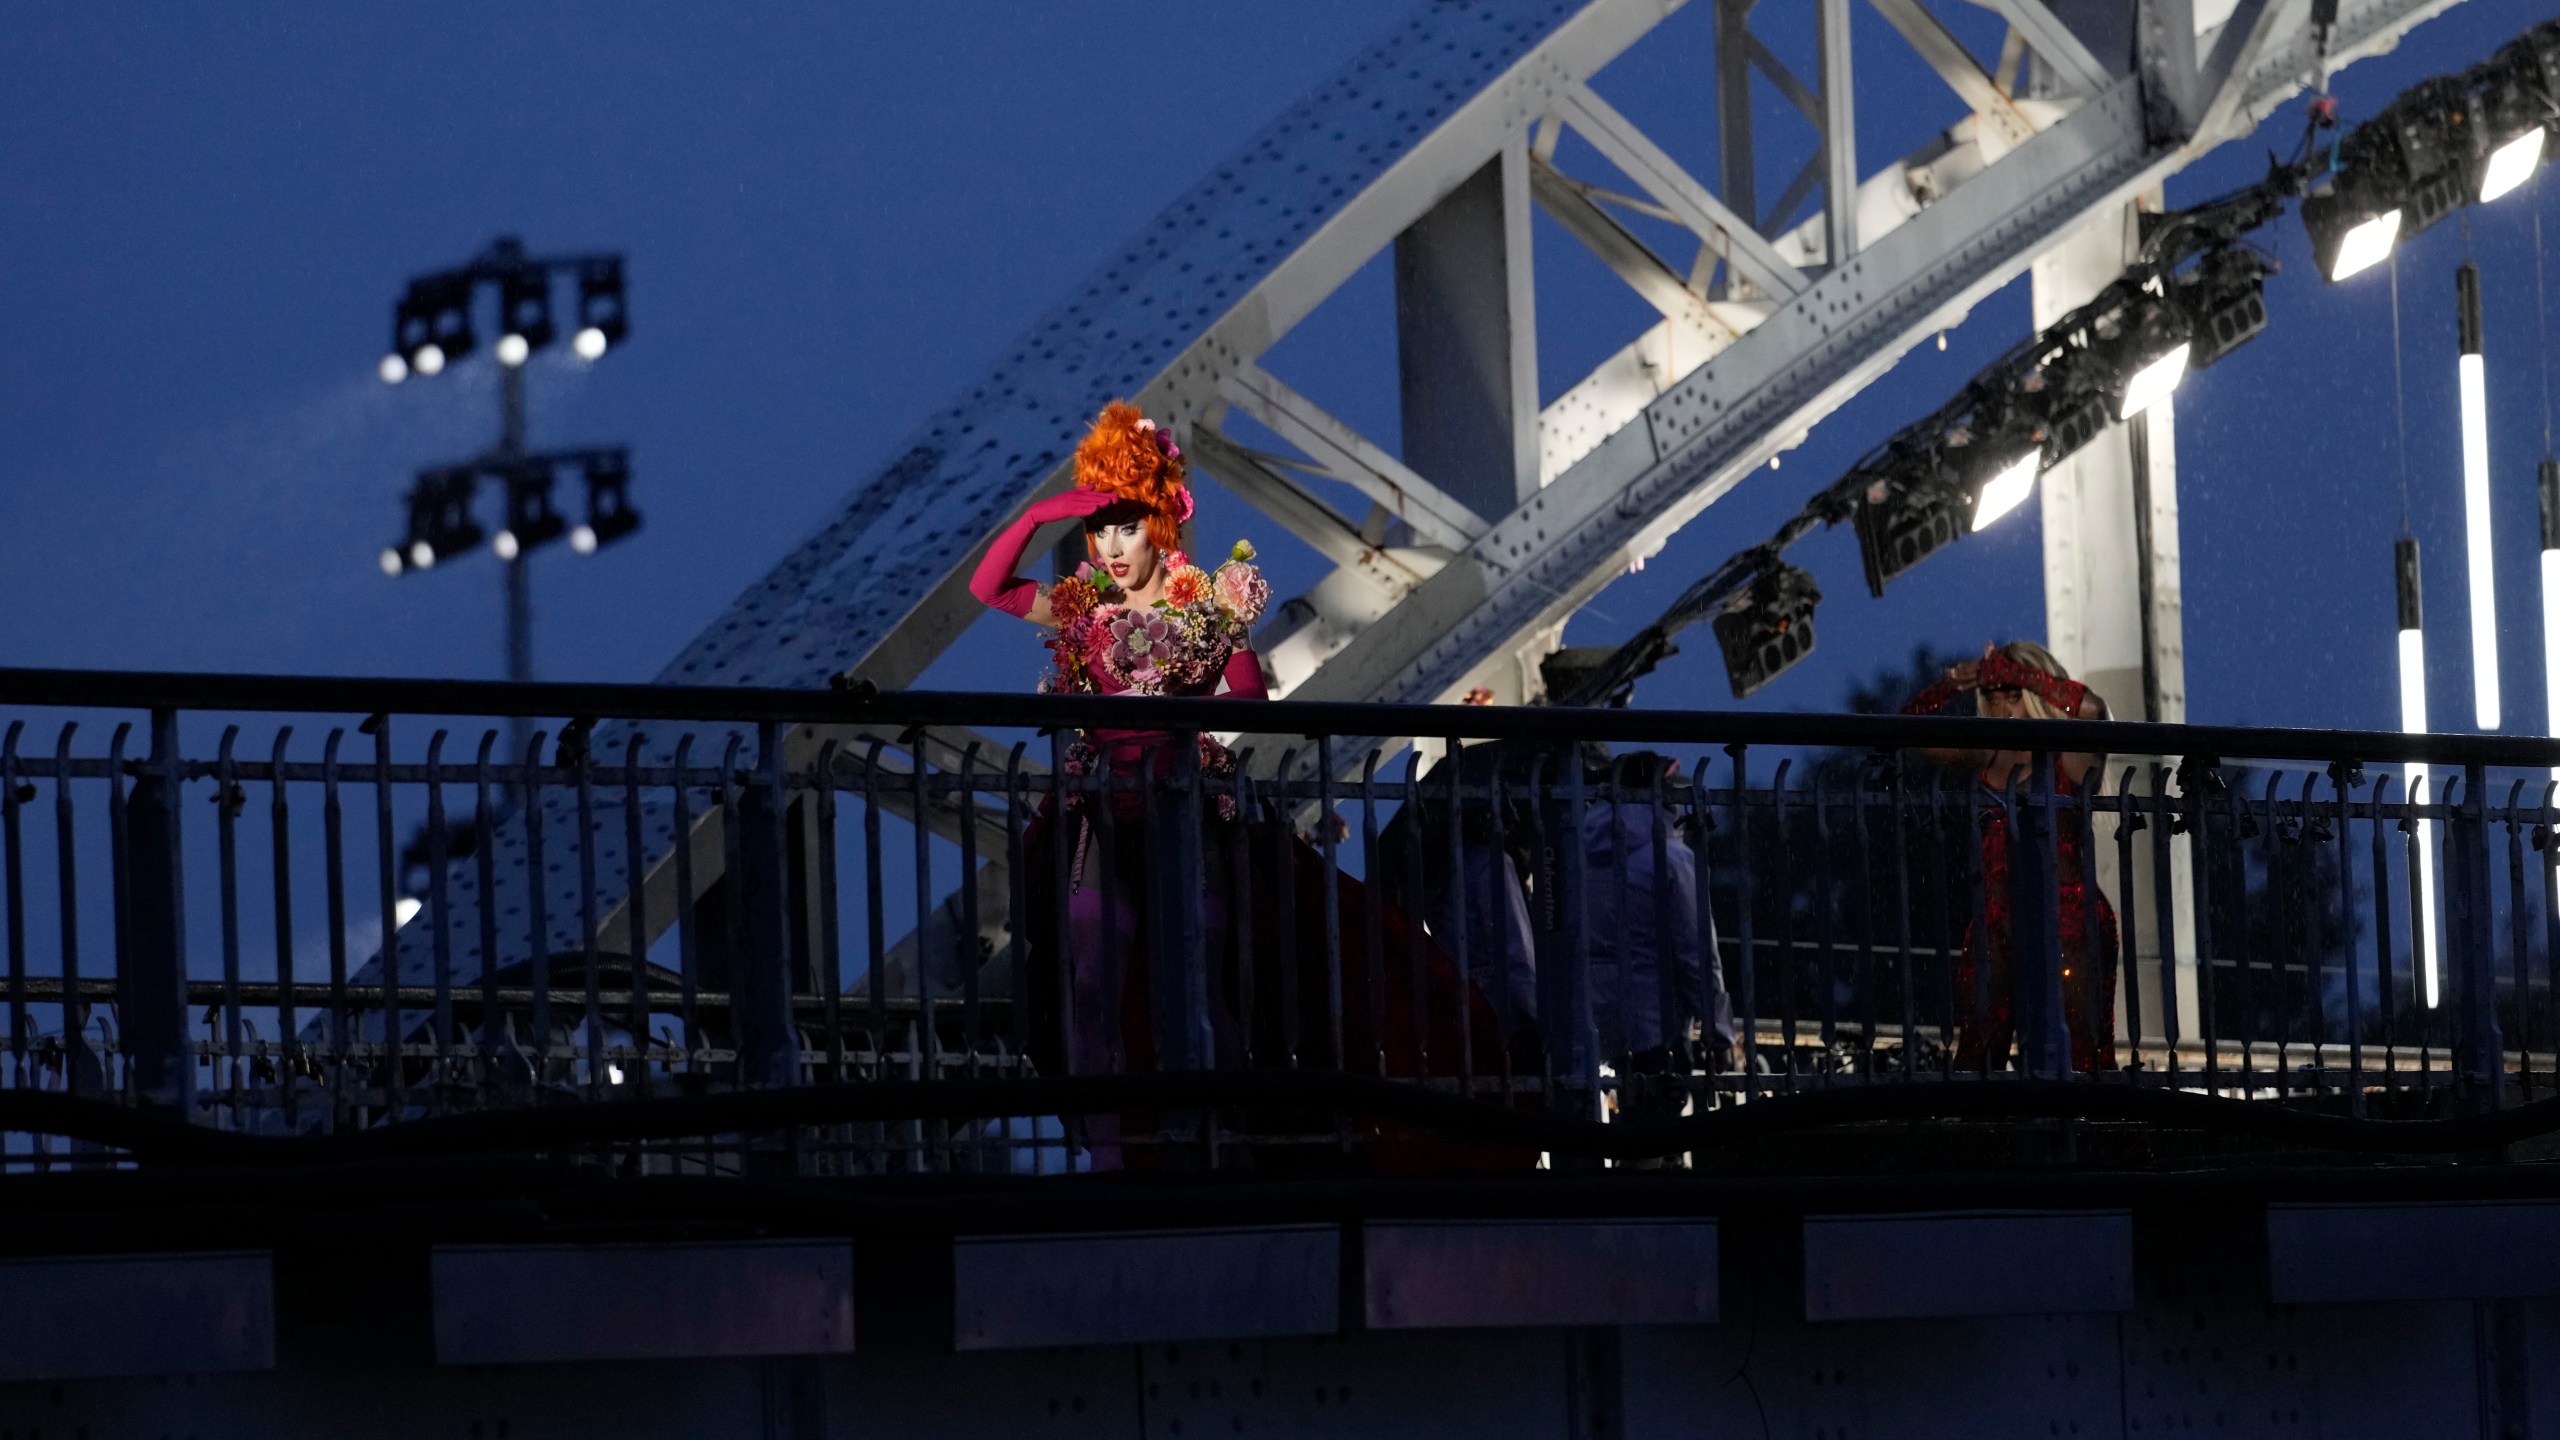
(2111, 595)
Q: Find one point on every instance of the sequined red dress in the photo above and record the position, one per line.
(1985, 973)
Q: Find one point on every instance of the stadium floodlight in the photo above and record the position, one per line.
(1768, 627)
(524, 313)
(609, 512)
(602, 323)
(2479, 552)
(441, 525)
(532, 520)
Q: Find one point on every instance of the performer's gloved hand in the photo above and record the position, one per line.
(1073, 503)
(1997, 671)
(994, 582)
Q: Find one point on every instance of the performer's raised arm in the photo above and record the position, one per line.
(995, 583)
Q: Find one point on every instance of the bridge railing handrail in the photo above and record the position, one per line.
(857, 703)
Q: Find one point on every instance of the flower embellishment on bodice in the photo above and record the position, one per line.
(1175, 646)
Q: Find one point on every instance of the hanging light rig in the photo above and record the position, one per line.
(2456, 140)
(2413, 721)
(2196, 294)
(2478, 552)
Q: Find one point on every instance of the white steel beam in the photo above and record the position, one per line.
(1566, 202)
(1353, 458)
(1839, 132)
(1706, 432)
(2057, 44)
(1658, 175)
(1267, 487)
(2233, 61)
(1956, 65)
(1175, 318)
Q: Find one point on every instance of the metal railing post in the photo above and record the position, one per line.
(2035, 920)
(1174, 880)
(1564, 964)
(2481, 1052)
(760, 977)
(164, 1071)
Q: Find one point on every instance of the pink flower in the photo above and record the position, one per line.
(1242, 591)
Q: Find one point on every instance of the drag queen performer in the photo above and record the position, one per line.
(1140, 618)
(2022, 680)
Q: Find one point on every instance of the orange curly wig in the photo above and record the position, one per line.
(1121, 458)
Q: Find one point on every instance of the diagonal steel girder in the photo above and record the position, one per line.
(1181, 315)
(1726, 418)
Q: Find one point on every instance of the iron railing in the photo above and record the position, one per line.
(847, 909)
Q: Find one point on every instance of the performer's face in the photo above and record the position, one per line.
(2004, 704)
(1122, 548)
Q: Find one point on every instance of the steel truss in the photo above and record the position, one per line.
(1502, 517)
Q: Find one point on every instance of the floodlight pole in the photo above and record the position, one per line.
(519, 583)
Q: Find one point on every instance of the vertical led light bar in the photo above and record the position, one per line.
(2550, 487)
(2475, 504)
(2413, 721)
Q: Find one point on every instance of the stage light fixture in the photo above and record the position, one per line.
(2349, 235)
(1768, 627)
(2518, 101)
(2006, 487)
(2433, 131)
(2225, 301)
(602, 323)
(2478, 552)
(2146, 356)
(2413, 721)
(1906, 513)
(609, 513)
(532, 520)
(2152, 383)
(2511, 164)
(2079, 416)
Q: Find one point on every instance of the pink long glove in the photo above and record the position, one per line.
(1244, 677)
(995, 583)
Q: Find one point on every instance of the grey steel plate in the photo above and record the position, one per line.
(1140, 1286)
(1944, 1266)
(1473, 1274)
(98, 1317)
(2343, 1253)
(522, 1304)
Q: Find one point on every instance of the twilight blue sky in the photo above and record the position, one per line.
(839, 215)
